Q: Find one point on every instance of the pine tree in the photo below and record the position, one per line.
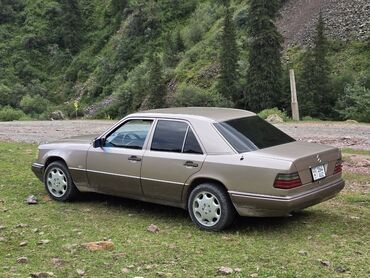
(314, 90)
(156, 83)
(265, 71)
(70, 28)
(229, 55)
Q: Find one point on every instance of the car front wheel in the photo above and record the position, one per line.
(210, 207)
(58, 182)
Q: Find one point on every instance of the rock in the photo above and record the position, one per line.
(274, 119)
(2, 238)
(22, 260)
(352, 122)
(2, 227)
(23, 243)
(43, 241)
(237, 269)
(57, 115)
(125, 270)
(340, 269)
(153, 228)
(223, 270)
(254, 275)
(99, 245)
(31, 200)
(57, 262)
(80, 272)
(21, 225)
(324, 263)
(42, 274)
(302, 253)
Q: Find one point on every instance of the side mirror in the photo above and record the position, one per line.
(98, 143)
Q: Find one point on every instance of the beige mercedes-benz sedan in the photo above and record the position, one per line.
(214, 162)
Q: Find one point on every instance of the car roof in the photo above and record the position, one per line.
(211, 113)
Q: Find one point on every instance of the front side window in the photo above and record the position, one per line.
(169, 136)
(131, 135)
(251, 133)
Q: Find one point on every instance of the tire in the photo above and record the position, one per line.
(210, 207)
(58, 182)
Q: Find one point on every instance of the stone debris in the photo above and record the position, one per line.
(31, 200)
(99, 245)
(153, 228)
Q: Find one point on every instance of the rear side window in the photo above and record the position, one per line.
(251, 133)
(169, 136)
(191, 143)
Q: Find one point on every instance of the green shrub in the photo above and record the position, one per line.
(267, 112)
(355, 102)
(8, 113)
(34, 105)
(190, 95)
(310, 119)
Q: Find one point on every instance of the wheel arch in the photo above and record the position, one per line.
(197, 181)
(52, 159)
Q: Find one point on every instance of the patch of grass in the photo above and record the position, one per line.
(355, 151)
(356, 177)
(336, 231)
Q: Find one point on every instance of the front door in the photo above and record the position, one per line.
(174, 156)
(115, 167)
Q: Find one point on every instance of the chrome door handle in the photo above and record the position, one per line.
(134, 158)
(190, 164)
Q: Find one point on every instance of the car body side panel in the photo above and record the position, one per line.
(245, 173)
(164, 174)
(74, 155)
(109, 170)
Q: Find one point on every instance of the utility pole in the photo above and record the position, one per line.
(295, 110)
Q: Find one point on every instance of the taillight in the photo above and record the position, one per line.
(338, 167)
(287, 181)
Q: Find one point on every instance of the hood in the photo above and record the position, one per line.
(82, 139)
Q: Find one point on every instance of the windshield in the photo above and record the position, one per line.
(251, 133)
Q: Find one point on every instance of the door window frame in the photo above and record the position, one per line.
(189, 126)
(123, 122)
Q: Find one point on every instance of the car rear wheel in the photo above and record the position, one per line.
(58, 182)
(210, 207)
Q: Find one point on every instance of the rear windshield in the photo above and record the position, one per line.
(251, 133)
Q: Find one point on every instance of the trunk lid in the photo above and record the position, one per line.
(304, 156)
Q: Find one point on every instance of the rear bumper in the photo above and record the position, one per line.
(250, 204)
(38, 170)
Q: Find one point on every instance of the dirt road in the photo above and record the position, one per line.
(350, 135)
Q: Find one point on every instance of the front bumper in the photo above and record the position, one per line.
(250, 204)
(38, 170)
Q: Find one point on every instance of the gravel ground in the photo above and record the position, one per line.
(356, 136)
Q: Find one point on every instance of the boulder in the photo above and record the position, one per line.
(274, 119)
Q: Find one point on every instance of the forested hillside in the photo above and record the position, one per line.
(108, 58)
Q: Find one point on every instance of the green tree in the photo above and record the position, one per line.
(265, 71)
(229, 55)
(173, 47)
(71, 25)
(156, 83)
(315, 96)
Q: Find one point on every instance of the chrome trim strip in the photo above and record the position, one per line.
(173, 182)
(78, 169)
(112, 174)
(126, 176)
(37, 165)
(283, 198)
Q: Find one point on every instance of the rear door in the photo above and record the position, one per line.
(173, 156)
(115, 167)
